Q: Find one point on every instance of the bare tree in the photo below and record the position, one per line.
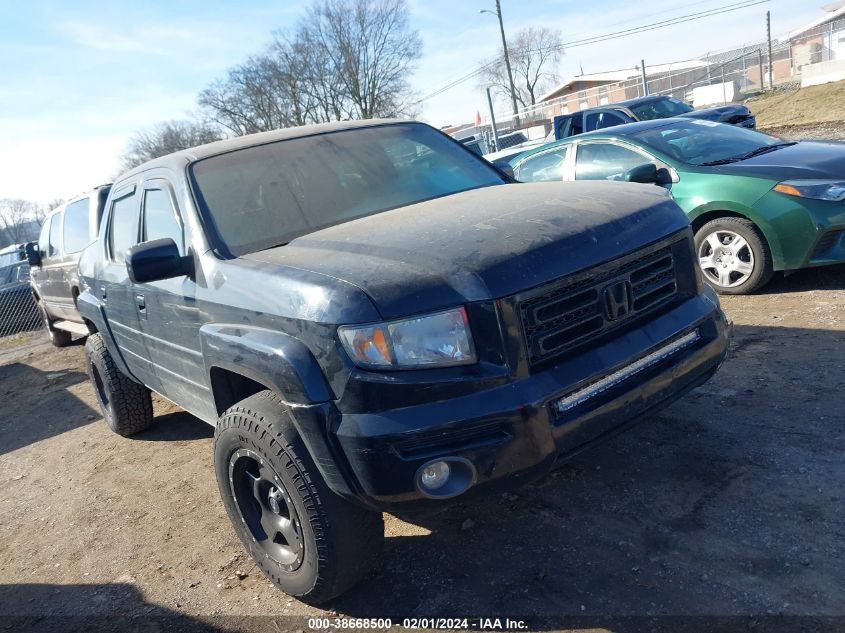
(166, 138)
(372, 50)
(18, 220)
(346, 59)
(254, 97)
(535, 53)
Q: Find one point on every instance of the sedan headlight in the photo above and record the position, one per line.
(433, 340)
(833, 190)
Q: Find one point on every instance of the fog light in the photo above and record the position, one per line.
(434, 476)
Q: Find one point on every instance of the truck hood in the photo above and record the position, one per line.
(482, 244)
(723, 114)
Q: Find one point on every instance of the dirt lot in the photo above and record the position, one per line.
(798, 114)
(728, 503)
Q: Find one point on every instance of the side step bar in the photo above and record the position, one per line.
(78, 329)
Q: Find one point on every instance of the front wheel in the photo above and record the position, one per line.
(733, 256)
(311, 543)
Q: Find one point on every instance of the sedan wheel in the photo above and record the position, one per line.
(733, 256)
(726, 259)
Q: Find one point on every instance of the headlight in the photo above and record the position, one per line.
(433, 340)
(817, 189)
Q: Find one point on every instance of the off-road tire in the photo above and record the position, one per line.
(341, 540)
(126, 404)
(763, 267)
(59, 338)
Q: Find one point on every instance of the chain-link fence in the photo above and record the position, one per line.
(714, 78)
(18, 311)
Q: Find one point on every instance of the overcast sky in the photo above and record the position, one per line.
(78, 78)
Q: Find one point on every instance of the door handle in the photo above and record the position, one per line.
(141, 302)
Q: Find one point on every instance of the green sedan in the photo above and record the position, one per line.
(757, 204)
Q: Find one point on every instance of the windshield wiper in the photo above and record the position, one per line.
(763, 150)
(755, 152)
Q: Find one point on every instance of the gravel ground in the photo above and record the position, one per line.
(729, 503)
(831, 131)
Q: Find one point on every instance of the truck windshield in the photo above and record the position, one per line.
(267, 195)
(660, 109)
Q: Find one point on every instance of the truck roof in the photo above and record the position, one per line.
(183, 157)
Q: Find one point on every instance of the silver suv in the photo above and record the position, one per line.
(54, 262)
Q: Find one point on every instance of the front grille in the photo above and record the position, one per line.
(572, 311)
(825, 243)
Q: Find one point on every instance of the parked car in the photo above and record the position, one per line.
(12, 254)
(647, 109)
(54, 262)
(757, 204)
(17, 307)
(376, 319)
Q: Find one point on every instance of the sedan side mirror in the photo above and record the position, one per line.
(645, 173)
(33, 256)
(505, 167)
(156, 260)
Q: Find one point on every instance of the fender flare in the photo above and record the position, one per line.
(284, 364)
(275, 359)
(92, 311)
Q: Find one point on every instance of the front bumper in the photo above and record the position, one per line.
(511, 433)
(802, 232)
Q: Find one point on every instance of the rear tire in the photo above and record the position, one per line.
(733, 256)
(126, 405)
(59, 338)
(311, 543)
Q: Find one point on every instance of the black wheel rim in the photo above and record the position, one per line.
(266, 509)
(102, 394)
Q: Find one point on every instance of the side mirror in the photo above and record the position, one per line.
(664, 177)
(156, 260)
(645, 173)
(505, 167)
(32, 254)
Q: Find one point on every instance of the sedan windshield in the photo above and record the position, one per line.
(705, 142)
(267, 195)
(660, 109)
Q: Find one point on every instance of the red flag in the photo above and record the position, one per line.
(477, 117)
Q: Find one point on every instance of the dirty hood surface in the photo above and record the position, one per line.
(482, 244)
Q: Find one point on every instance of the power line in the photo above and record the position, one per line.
(743, 4)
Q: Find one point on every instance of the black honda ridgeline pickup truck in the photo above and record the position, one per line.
(375, 319)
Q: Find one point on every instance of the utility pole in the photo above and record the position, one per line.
(507, 57)
(493, 119)
(769, 40)
(645, 80)
(498, 14)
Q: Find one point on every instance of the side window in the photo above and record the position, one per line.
(160, 218)
(605, 161)
(601, 120)
(545, 167)
(53, 247)
(44, 237)
(76, 229)
(576, 126)
(123, 227)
